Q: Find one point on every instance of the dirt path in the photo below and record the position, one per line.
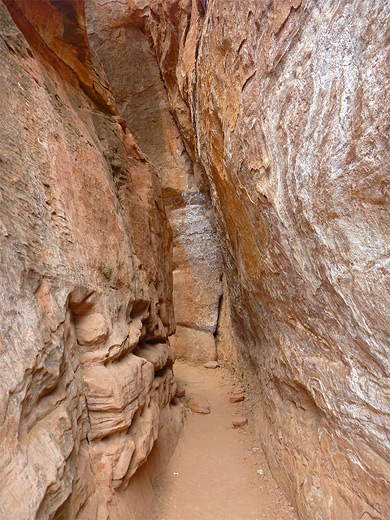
(213, 472)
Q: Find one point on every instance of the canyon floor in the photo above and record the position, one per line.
(213, 472)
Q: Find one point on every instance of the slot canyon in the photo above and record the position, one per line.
(185, 182)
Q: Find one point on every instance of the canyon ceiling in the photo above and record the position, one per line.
(204, 178)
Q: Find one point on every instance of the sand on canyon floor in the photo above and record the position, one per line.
(213, 474)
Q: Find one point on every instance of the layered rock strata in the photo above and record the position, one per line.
(285, 104)
(86, 387)
(118, 32)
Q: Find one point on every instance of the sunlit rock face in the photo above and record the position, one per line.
(118, 33)
(289, 103)
(86, 382)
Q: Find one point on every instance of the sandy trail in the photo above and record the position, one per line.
(213, 472)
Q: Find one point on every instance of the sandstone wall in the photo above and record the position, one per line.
(289, 106)
(284, 106)
(118, 32)
(86, 286)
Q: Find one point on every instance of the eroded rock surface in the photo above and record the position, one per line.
(86, 288)
(118, 33)
(288, 102)
(284, 107)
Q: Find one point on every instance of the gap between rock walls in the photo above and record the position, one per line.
(155, 204)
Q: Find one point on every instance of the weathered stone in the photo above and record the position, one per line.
(277, 110)
(211, 364)
(91, 329)
(226, 339)
(194, 345)
(118, 34)
(240, 421)
(236, 398)
(198, 403)
(159, 354)
(180, 390)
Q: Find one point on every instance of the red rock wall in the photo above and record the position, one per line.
(118, 34)
(284, 106)
(86, 418)
(289, 105)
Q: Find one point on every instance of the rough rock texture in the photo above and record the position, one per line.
(118, 33)
(197, 403)
(284, 106)
(85, 276)
(288, 103)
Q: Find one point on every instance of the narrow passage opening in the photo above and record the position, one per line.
(218, 470)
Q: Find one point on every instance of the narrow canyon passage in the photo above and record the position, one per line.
(213, 474)
(205, 180)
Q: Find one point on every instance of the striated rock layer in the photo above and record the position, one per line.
(283, 105)
(86, 387)
(118, 33)
(286, 104)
